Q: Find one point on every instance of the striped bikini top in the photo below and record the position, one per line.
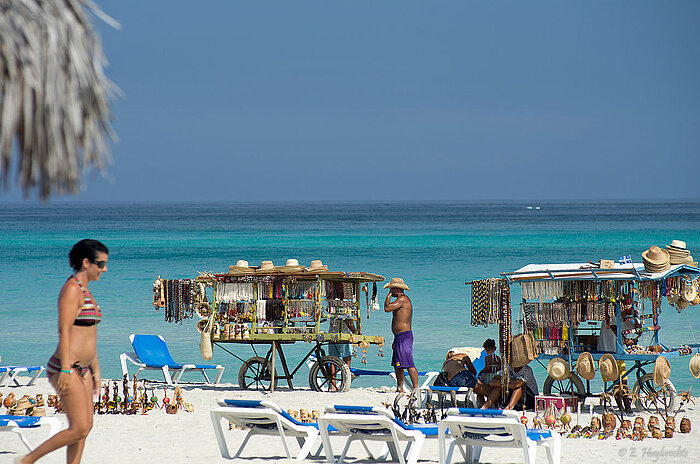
(90, 313)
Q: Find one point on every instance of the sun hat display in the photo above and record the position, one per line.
(267, 267)
(662, 370)
(292, 265)
(694, 365)
(585, 366)
(396, 282)
(656, 259)
(558, 369)
(678, 253)
(608, 368)
(682, 303)
(241, 267)
(317, 266)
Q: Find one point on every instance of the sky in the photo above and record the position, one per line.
(401, 100)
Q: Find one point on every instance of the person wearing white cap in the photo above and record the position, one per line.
(402, 313)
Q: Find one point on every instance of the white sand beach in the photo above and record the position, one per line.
(188, 437)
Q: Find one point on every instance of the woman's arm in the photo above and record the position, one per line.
(68, 309)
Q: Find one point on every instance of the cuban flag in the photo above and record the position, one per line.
(627, 259)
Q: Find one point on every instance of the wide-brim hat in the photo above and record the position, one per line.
(655, 256)
(558, 369)
(267, 267)
(689, 260)
(679, 245)
(585, 366)
(694, 365)
(292, 265)
(396, 282)
(662, 370)
(608, 368)
(317, 266)
(241, 267)
(682, 303)
(696, 300)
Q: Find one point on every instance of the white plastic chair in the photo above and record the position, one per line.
(473, 429)
(262, 418)
(16, 424)
(366, 423)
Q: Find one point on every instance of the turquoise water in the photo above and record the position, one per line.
(434, 247)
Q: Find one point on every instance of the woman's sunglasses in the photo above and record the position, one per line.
(100, 264)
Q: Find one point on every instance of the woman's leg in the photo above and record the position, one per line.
(516, 394)
(77, 404)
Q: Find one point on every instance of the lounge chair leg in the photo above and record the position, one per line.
(305, 445)
(553, 448)
(413, 449)
(326, 442)
(530, 452)
(220, 439)
(475, 453)
(345, 450)
(245, 442)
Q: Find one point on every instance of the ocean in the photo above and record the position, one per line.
(434, 247)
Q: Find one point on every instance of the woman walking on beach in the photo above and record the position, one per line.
(74, 370)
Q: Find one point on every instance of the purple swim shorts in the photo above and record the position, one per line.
(403, 350)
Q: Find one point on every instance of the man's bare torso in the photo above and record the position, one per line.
(401, 318)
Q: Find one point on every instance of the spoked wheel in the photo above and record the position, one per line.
(255, 374)
(330, 374)
(564, 387)
(647, 394)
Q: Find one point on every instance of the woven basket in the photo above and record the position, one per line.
(522, 350)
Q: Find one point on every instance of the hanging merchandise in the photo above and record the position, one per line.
(233, 292)
(374, 301)
(487, 297)
(176, 297)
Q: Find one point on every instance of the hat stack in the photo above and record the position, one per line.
(656, 260)
(679, 254)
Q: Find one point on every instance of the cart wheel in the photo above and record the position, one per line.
(645, 390)
(564, 387)
(255, 374)
(331, 374)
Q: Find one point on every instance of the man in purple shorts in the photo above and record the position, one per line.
(402, 313)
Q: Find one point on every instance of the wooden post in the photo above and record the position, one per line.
(272, 367)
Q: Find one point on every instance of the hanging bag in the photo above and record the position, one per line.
(522, 350)
(205, 347)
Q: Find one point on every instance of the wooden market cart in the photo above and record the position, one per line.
(284, 305)
(562, 306)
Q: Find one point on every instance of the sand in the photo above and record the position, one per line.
(188, 437)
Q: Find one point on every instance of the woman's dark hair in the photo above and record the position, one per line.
(490, 343)
(86, 248)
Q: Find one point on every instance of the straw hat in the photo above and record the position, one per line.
(241, 267)
(396, 282)
(656, 259)
(677, 246)
(317, 266)
(291, 266)
(662, 370)
(696, 300)
(267, 267)
(558, 369)
(682, 303)
(694, 365)
(608, 368)
(585, 366)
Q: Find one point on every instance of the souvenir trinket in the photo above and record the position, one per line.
(671, 422)
(523, 418)
(537, 422)
(685, 425)
(609, 421)
(595, 424)
(575, 432)
(639, 433)
(653, 422)
(656, 432)
(586, 432)
(565, 421)
(668, 432)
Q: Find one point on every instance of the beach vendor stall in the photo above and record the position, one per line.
(271, 306)
(607, 310)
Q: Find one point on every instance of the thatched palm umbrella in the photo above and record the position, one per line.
(54, 96)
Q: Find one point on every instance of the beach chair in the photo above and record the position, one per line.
(262, 418)
(151, 353)
(11, 373)
(473, 429)
(16, 424)
(366, 423)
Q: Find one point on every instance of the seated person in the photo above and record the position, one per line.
(522, 386)
(459, 370)
(492, 363)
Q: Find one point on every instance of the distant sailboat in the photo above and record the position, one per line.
(533, 207)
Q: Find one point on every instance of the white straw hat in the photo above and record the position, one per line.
(656, 259)
(317, 266)
(241, 267)
(558, 369)
(292, 266)
(267, 267)
(396, 282)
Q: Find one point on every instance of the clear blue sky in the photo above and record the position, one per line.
(403, 100)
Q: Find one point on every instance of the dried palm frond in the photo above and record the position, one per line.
(54, 96)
